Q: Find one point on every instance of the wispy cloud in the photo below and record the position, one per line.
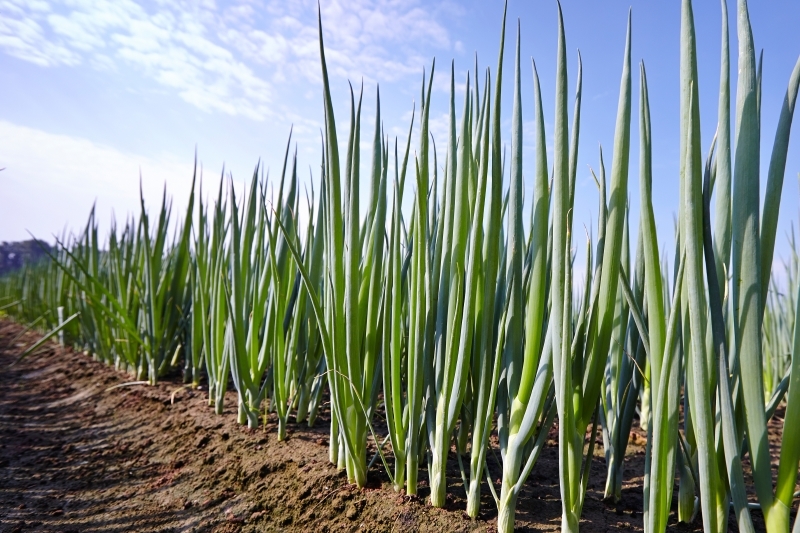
(226, 57)
(23, 35)
(382, 37)
(173, 44)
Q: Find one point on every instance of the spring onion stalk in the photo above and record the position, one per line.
(393, 372)
(527, 372)
(727, 427)
(699, 377)
(491, 330)
(752, 252)
(420, 299)
(568, 447)
(404, 430)
(623, 376)
(722, 208)
(211, 260)
(350, 375)
(662, 437)
(462, 318)
(246, 301)
(309, 363)
(165, 287)
(578, 378)
(281, 283)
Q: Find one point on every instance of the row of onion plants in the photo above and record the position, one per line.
(457, 325)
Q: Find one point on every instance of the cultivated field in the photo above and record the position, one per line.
(434, 339)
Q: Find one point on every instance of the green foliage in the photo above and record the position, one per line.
(455, 320)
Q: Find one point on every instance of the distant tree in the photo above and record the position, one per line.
(15, 254)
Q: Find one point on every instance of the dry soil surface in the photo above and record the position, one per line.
(77, 455)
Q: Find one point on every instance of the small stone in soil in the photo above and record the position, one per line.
(258, 514)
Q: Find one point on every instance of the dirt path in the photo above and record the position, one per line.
(75, 456)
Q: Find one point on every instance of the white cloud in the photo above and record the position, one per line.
(227, 58)
(58, 178)
(50, 183)
(24, 38)
(362, 39)
(175, 47)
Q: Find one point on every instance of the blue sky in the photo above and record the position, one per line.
(95, 91)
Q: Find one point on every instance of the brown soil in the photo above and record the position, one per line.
(76, 456)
